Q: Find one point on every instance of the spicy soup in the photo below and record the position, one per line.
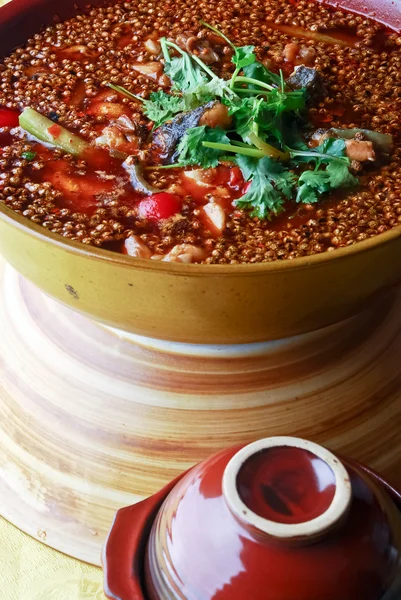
(226, 133)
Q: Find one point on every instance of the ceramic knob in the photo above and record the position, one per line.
(280, 519)
(287, 488)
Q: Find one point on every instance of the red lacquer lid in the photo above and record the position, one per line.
(280, 519)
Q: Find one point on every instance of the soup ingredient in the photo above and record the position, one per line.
(202, 146)
(49, 132)
(383, 141)
(28, 155)
(161, 107)
(185, 253)
(133, 246)
(159, 206)
(216, 116)
(166, 137)
(215, 217)
(359, 150)
(91, 199)
(270, 184)
(346, 40)
(137, 180)
(307, 78)
(262, 117)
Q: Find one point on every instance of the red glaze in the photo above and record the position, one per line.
(350, 564)
(8, 118)
(159, 206)
(124, 550)
(286, 485)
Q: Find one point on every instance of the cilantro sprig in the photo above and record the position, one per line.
(271, 184)
(199, 146)
(336, 174)
(266, 139)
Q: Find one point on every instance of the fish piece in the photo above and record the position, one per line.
(217, 116)
(153, 47)
(152, 69)
(308, 78)
(166, 137)
(136, 178)
(361, 151)
(134, 246)
(382, 141)
(185, 253)
(215, 218)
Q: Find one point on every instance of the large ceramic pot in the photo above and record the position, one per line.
(194, 303)
(279, 519)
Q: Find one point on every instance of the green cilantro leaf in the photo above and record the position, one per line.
(257, 70)
(246, 113)
(340, 175)
(270, 184)
(279, 102)
(185, 75)
(161, 107)
(28, 155)
(267, 116)
(332, 147)
(243, 56)
(191, 152)
(208, 91)
(313, 183)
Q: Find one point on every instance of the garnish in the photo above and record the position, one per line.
(161, 107)
(319, 181)
(266, 139)
(185, 74)
(271, 183)
(202, 145)
(28, 155)
(41, 128)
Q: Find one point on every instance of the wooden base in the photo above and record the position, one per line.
(92, 420)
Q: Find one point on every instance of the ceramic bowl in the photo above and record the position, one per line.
(279, 519)
(213, 304)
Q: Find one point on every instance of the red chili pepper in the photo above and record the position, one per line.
(8, 118)
(236, 180)
(159, 206)
(55, 130)
(246, 187)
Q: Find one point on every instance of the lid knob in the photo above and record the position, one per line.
(287, 487)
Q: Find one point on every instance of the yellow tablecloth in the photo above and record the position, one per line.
(31, 571)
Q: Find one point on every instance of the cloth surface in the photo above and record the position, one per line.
(32, 571)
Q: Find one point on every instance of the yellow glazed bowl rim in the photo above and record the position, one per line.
(92, 252)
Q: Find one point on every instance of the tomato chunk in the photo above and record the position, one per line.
(236, 180)
(159, 206)
(8, 118)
